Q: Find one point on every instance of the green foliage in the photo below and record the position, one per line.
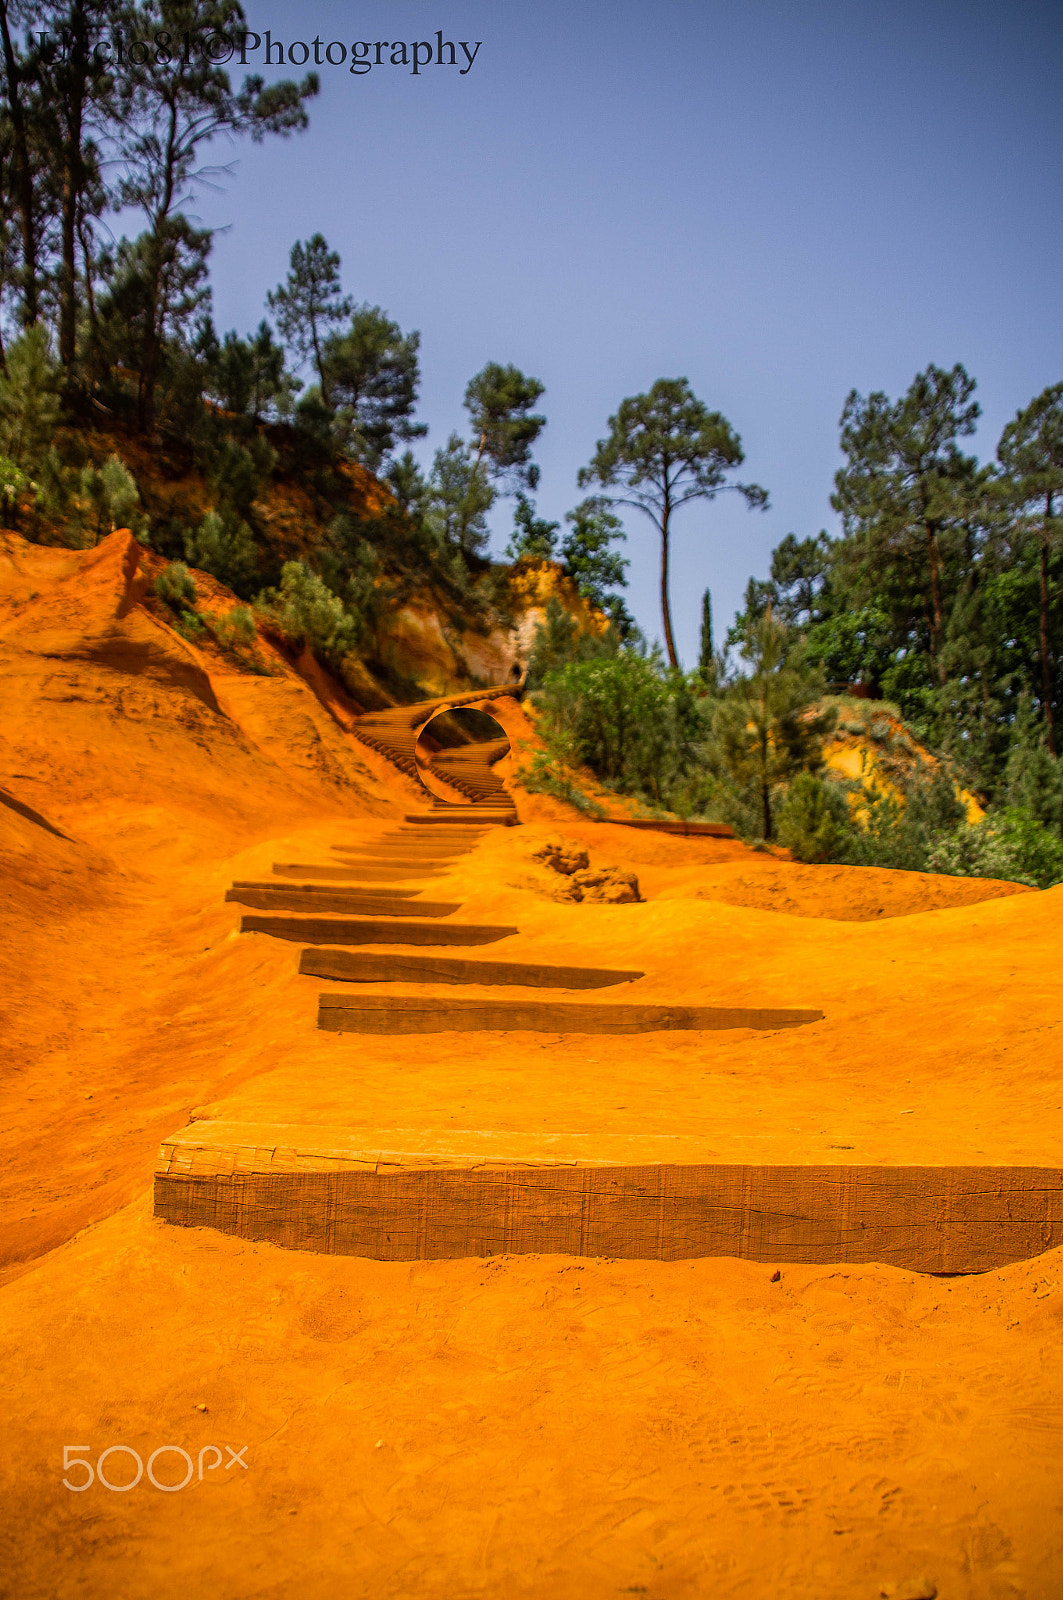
(499, 401)
(1033, 778)
(248, 377)
(459, 499)
(373, 374)
(307, 612)
(559, 640)
(1009, 844)
(533, 538)
(29, 402)
(224, 546)
(814, 820)
(310, 305)
(706, 653)
(1031, 458)
(585, 552)
(176, 586)
(900, 832)
(907, 493)
(663, 450)
(15, 487)
(638, 727)
(767, 728)
(108, 498)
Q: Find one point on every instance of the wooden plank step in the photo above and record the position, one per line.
(407, 855)
(459, 814)
(689, 830)
(370, 967)
(285, 897)
(378, 930)
(353, 873)
(381, 1013)
(341, 1192)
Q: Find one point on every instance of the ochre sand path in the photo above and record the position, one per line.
(539, 1427)
(531, 1426)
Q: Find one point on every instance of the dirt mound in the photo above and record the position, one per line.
(844, 894)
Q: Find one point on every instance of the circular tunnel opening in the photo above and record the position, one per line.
(457, 754)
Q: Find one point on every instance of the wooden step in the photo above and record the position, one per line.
(310, 897)
(688, 830)
(378, 930)
(370, 967)
(406, 1196)
(408, 854)
(378, 870)
(455, 815)
(381, 1013)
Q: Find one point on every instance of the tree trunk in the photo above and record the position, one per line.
(765, 798)
(86, 256)
(938, 625)
(23, 174)
(666, 611)
(73, 115)
(1046, 669)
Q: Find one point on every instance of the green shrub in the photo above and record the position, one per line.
(1009, 844)
(175, 585)
(635, 725)
(305, 610)
(901, 832)
(235, 631)
(814, 819)
(107, 498)
(224, 546)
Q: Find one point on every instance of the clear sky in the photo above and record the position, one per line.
(777, 201)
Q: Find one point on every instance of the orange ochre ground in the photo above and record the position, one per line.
(521, 1426)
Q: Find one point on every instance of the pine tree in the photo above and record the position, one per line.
(310, 304)
(372, 372)
(706, 654)
(907, 491)
(767, 729)
(1031, 457)
(665, 449)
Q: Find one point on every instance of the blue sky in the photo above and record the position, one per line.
(776, 201)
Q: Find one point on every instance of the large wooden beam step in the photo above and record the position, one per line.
(453, 842)
(408, 854)
(380, 872)
(452, 817)
(285, 897)
(320, 1190)
(382, 1013)
(372, 967)
(377, 930)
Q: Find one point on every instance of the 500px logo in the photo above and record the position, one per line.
(73, 1455)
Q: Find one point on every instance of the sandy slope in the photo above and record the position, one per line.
(545, 1426)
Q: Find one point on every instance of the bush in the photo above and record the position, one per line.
(108, 498)
(900, 832)
(1010, 844)
(175, 585)
(306, 612)
(636, 726)
(814, 820)
(236, 631)
(224, 546)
